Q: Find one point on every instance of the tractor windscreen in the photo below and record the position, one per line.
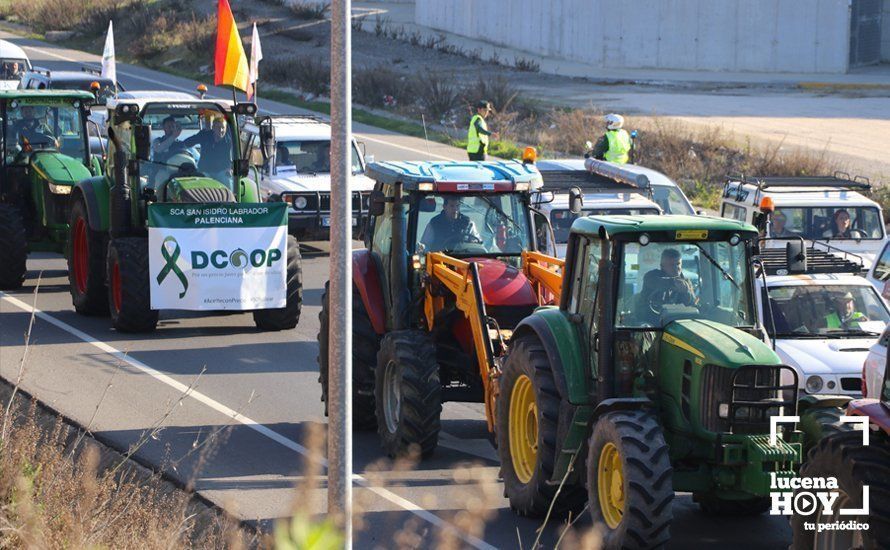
(43, 124)
(826, 311)
(465, 224)
(188, 140)
(662, 282)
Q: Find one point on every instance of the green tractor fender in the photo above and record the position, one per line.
(95, 194)
(250, 191)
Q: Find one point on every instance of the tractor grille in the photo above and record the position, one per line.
(202, 194)
(742, 400)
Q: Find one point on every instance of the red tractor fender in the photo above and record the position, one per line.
(367, 282)
(877, 415)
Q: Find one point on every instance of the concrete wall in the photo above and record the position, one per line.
(717, 35)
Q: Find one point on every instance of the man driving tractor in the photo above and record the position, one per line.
(31, 129)
(665, 285)
(449, 228)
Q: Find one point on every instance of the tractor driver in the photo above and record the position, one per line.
(449, 228)
(216, 150)
(665, 285)
(31, 129)
(169, 144)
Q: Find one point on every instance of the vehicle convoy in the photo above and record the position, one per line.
(160, 152)
(447, 273)
(13, 63)
(46, 152)
(834, 209)
(853, 465)
(294, 153)
(649, 377)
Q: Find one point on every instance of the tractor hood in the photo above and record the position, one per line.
(719, 344)
(290, 181)
(824, 356)
(503, 284)
(59, 169)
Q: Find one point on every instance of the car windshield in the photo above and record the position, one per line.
(562, 218)
(827, 222)
(12, 68)
(662, 282)
(309, 157)
(188, 140)
(466, 224)
(671, 200)
(823, 311)
(33, 124)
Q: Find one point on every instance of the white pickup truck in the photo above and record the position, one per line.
(295, 167)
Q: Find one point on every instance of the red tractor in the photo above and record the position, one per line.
(446, 275)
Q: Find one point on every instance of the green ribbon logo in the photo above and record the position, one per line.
(170, 264)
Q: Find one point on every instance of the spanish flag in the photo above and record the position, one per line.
(231, 62)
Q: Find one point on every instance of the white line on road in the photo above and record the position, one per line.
(240, 418)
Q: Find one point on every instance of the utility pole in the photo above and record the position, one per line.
(340, 325)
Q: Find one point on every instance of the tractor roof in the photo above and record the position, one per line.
(162, 98)
(615, 225)
(457, 176)
(44, 94)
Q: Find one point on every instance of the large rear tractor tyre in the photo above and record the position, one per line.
(714, 506)
(13, 248)
(527, 414)
(842, 456)
(629, 480)
(129, 295)
(820, 422)
(408, 394)
(86, 264)
(365, 345)
(288, 316)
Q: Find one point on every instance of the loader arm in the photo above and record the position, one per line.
(545, 273)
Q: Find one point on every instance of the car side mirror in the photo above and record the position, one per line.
(376, 203)
(576, 200)
(142, 135)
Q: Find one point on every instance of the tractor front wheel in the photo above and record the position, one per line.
(819, 422)
(408, 393)
(129, 295)
(86, 264)
(527, 412)
(629, 480)
(13, 248)
(288, 316)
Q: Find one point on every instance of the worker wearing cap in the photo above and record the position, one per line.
(845, 315)
(615, 145)
(477, 134)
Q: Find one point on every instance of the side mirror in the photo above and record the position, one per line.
(142, 135)
(796, 256)
(576, 200)
(267, 138)
(376, 203)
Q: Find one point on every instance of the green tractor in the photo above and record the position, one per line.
(160, 151)
(46, 151)
(651, 376)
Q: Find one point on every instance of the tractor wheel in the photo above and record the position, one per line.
(842, 456)
(365, 344)
(629, 480)
(13, 248)
(820, 422)
(86, 264)
(714, 506)
(527, 413)
(129, 297)
(288, 316)
(408, 393)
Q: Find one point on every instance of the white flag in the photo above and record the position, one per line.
(109, 68)
(256, 55)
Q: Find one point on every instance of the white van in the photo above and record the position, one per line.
(13, 64)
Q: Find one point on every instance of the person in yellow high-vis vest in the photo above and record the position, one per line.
(478, 133)
(845, 316)
(616, 144)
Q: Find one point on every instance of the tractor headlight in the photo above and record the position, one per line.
(300, 203)
(813, 384)
(59, 189)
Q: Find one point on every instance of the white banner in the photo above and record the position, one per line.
(217, 257)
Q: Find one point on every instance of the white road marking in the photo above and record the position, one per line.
(244, 420)
(192, 90)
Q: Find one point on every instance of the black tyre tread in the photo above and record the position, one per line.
(95, 300)
(717, 507)
(534, 498)
(288, 316)
(648, 475)
(843, 456)
(13, 248)
(365, 345)
(421, 393)
(820, 422)
(136, 314)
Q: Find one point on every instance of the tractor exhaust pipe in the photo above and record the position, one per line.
(398, 284)
(119, 208)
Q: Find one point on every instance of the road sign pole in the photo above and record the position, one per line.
(340, 326)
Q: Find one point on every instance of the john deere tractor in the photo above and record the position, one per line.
(650, 376)
(45, 152)
(160, 151)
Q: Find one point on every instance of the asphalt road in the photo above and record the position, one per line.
(235, 412)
